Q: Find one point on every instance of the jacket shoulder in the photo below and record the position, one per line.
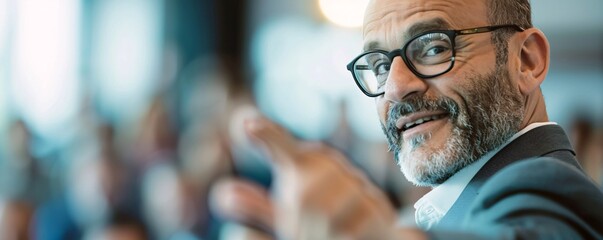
(543, 193)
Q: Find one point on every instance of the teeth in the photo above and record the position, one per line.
(423, 120)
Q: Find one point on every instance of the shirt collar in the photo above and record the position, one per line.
(434, 205)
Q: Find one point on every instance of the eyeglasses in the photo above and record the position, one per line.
(427, 55)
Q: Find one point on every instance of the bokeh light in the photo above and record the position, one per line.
(44, 76)
(346, 13)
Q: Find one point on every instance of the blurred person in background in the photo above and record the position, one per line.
(78, 203)
(120, 226)
(166, 204)
(206, 152)
(155, 141)
(21, 173)
(116, 174)
(16, 220)
(203, 158)
(463, 113)
(98, 182)
(24, 184)
(587, 138)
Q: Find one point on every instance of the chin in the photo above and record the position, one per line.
(428, 166)
(417, 169)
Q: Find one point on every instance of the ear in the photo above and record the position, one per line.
(534, 60)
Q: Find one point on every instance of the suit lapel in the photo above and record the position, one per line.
(536, 142)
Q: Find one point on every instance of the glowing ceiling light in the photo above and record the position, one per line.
(44, 80)
(346, 13)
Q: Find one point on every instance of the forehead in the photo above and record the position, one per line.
(389, 22)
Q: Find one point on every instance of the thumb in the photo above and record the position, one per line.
(243, 202)
(282, 147)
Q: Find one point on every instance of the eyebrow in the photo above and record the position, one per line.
(413, 30)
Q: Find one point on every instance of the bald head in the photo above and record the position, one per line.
(396, 21)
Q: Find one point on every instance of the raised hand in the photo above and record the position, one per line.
(317, 193)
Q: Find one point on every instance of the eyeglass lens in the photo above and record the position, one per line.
(427, 55)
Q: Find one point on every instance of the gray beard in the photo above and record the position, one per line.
(493, 113)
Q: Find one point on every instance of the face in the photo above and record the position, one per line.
(437, 126)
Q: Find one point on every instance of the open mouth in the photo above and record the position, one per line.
(422, 121)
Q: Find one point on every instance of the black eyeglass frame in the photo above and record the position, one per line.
(452, 34)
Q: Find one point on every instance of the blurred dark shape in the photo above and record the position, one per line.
(99, 181)
(22, 175)
(156, 140)
(208, 150)
(122, 226)
(55, 220)
(16, 220)
(587, 138)
(24, 183)
(204, 94)
(114, 172)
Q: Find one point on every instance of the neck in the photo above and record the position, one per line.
(535, 109)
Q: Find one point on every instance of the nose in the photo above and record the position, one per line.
(402, 82)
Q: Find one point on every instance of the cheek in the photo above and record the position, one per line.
(454, 86)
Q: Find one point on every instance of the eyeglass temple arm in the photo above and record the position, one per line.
(489, 29)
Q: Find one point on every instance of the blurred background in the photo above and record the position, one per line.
(117, 116)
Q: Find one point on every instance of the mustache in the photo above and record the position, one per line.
(413, 105)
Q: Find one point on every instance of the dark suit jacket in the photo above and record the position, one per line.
(532, 189)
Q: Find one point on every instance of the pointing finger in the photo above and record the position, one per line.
(278, 143)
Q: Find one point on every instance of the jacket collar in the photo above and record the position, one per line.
(535, 143)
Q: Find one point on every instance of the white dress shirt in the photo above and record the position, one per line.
(434, 205)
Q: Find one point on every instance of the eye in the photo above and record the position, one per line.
(430, 49)
(381, 73)
(379, 65)
(432, 53)
(381, 68)
(435, 49)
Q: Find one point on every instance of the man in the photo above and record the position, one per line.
(457, 88)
